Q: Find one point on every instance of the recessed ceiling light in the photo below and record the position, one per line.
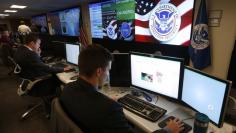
(10, 11)
(18, 6)
(4, 15)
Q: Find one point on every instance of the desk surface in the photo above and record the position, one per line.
(146, 125)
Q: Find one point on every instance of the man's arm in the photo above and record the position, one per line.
(35, 61)
(116, 121)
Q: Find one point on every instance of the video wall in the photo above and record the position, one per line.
(63, 22)
(40, 23)
(147, 21)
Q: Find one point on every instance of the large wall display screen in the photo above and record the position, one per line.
(148, 21)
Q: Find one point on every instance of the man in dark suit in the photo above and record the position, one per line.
(92, 111)
(32, 67)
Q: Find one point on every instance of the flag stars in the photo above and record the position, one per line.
(144, 10)
(144, 6)
(151, 5)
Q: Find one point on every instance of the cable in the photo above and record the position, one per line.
(188, 118)
(156, 99)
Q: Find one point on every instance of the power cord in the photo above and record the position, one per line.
(232, 103)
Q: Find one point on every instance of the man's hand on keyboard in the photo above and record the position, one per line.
(175, 125)
(115, 98)
(68, 68)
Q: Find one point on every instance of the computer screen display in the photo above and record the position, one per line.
(65, 22)
(147, 21)
(156, 74)
(40, 22)
(113, 19)
(120, 70)
(205, 93)
(72, 53)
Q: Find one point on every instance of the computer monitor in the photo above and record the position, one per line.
(206, 94)
(158, 74)
(120, 70)
(72, 53)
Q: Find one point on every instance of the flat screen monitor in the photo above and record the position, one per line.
(206, 94)
(72, 53)
(120, 70)
(39, 23)
(113, 19)
(65, 22)
(158, 74)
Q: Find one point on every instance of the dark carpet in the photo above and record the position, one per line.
(13, 106)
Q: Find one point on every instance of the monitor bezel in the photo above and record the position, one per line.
(66, 53)
(224, 104)
(112, 84)
(181, 60)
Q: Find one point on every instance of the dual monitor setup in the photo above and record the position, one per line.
(167, 76)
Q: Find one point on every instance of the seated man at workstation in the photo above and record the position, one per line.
(28, 58)
(91, 110)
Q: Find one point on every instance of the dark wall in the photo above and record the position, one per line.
(232, 67)
(166, 50)
(54, 45)
(16, 22)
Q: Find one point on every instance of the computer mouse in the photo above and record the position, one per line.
(147, 97)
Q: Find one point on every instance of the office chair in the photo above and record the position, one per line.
(60, 121)
(16, 68)
(25, 89)
(26, 86)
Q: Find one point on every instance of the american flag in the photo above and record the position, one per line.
(83, 37)
(142, 15)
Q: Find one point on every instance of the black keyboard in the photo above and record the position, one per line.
(142, 108)
(62, 65)
(186, 129)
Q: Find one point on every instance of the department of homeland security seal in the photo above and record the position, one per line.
(164, 22)
(125, 29)
(111, 30)
(200, 38)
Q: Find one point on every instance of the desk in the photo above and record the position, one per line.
(65, 76)
(148, 126)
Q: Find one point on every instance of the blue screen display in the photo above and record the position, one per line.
(203, 93)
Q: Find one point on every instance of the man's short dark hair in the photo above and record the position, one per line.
(93, 57)
(31, 38)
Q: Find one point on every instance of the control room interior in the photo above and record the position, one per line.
(222, 41)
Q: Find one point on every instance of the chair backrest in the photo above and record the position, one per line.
(60, 121)
(17, 68)
(27, 85)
